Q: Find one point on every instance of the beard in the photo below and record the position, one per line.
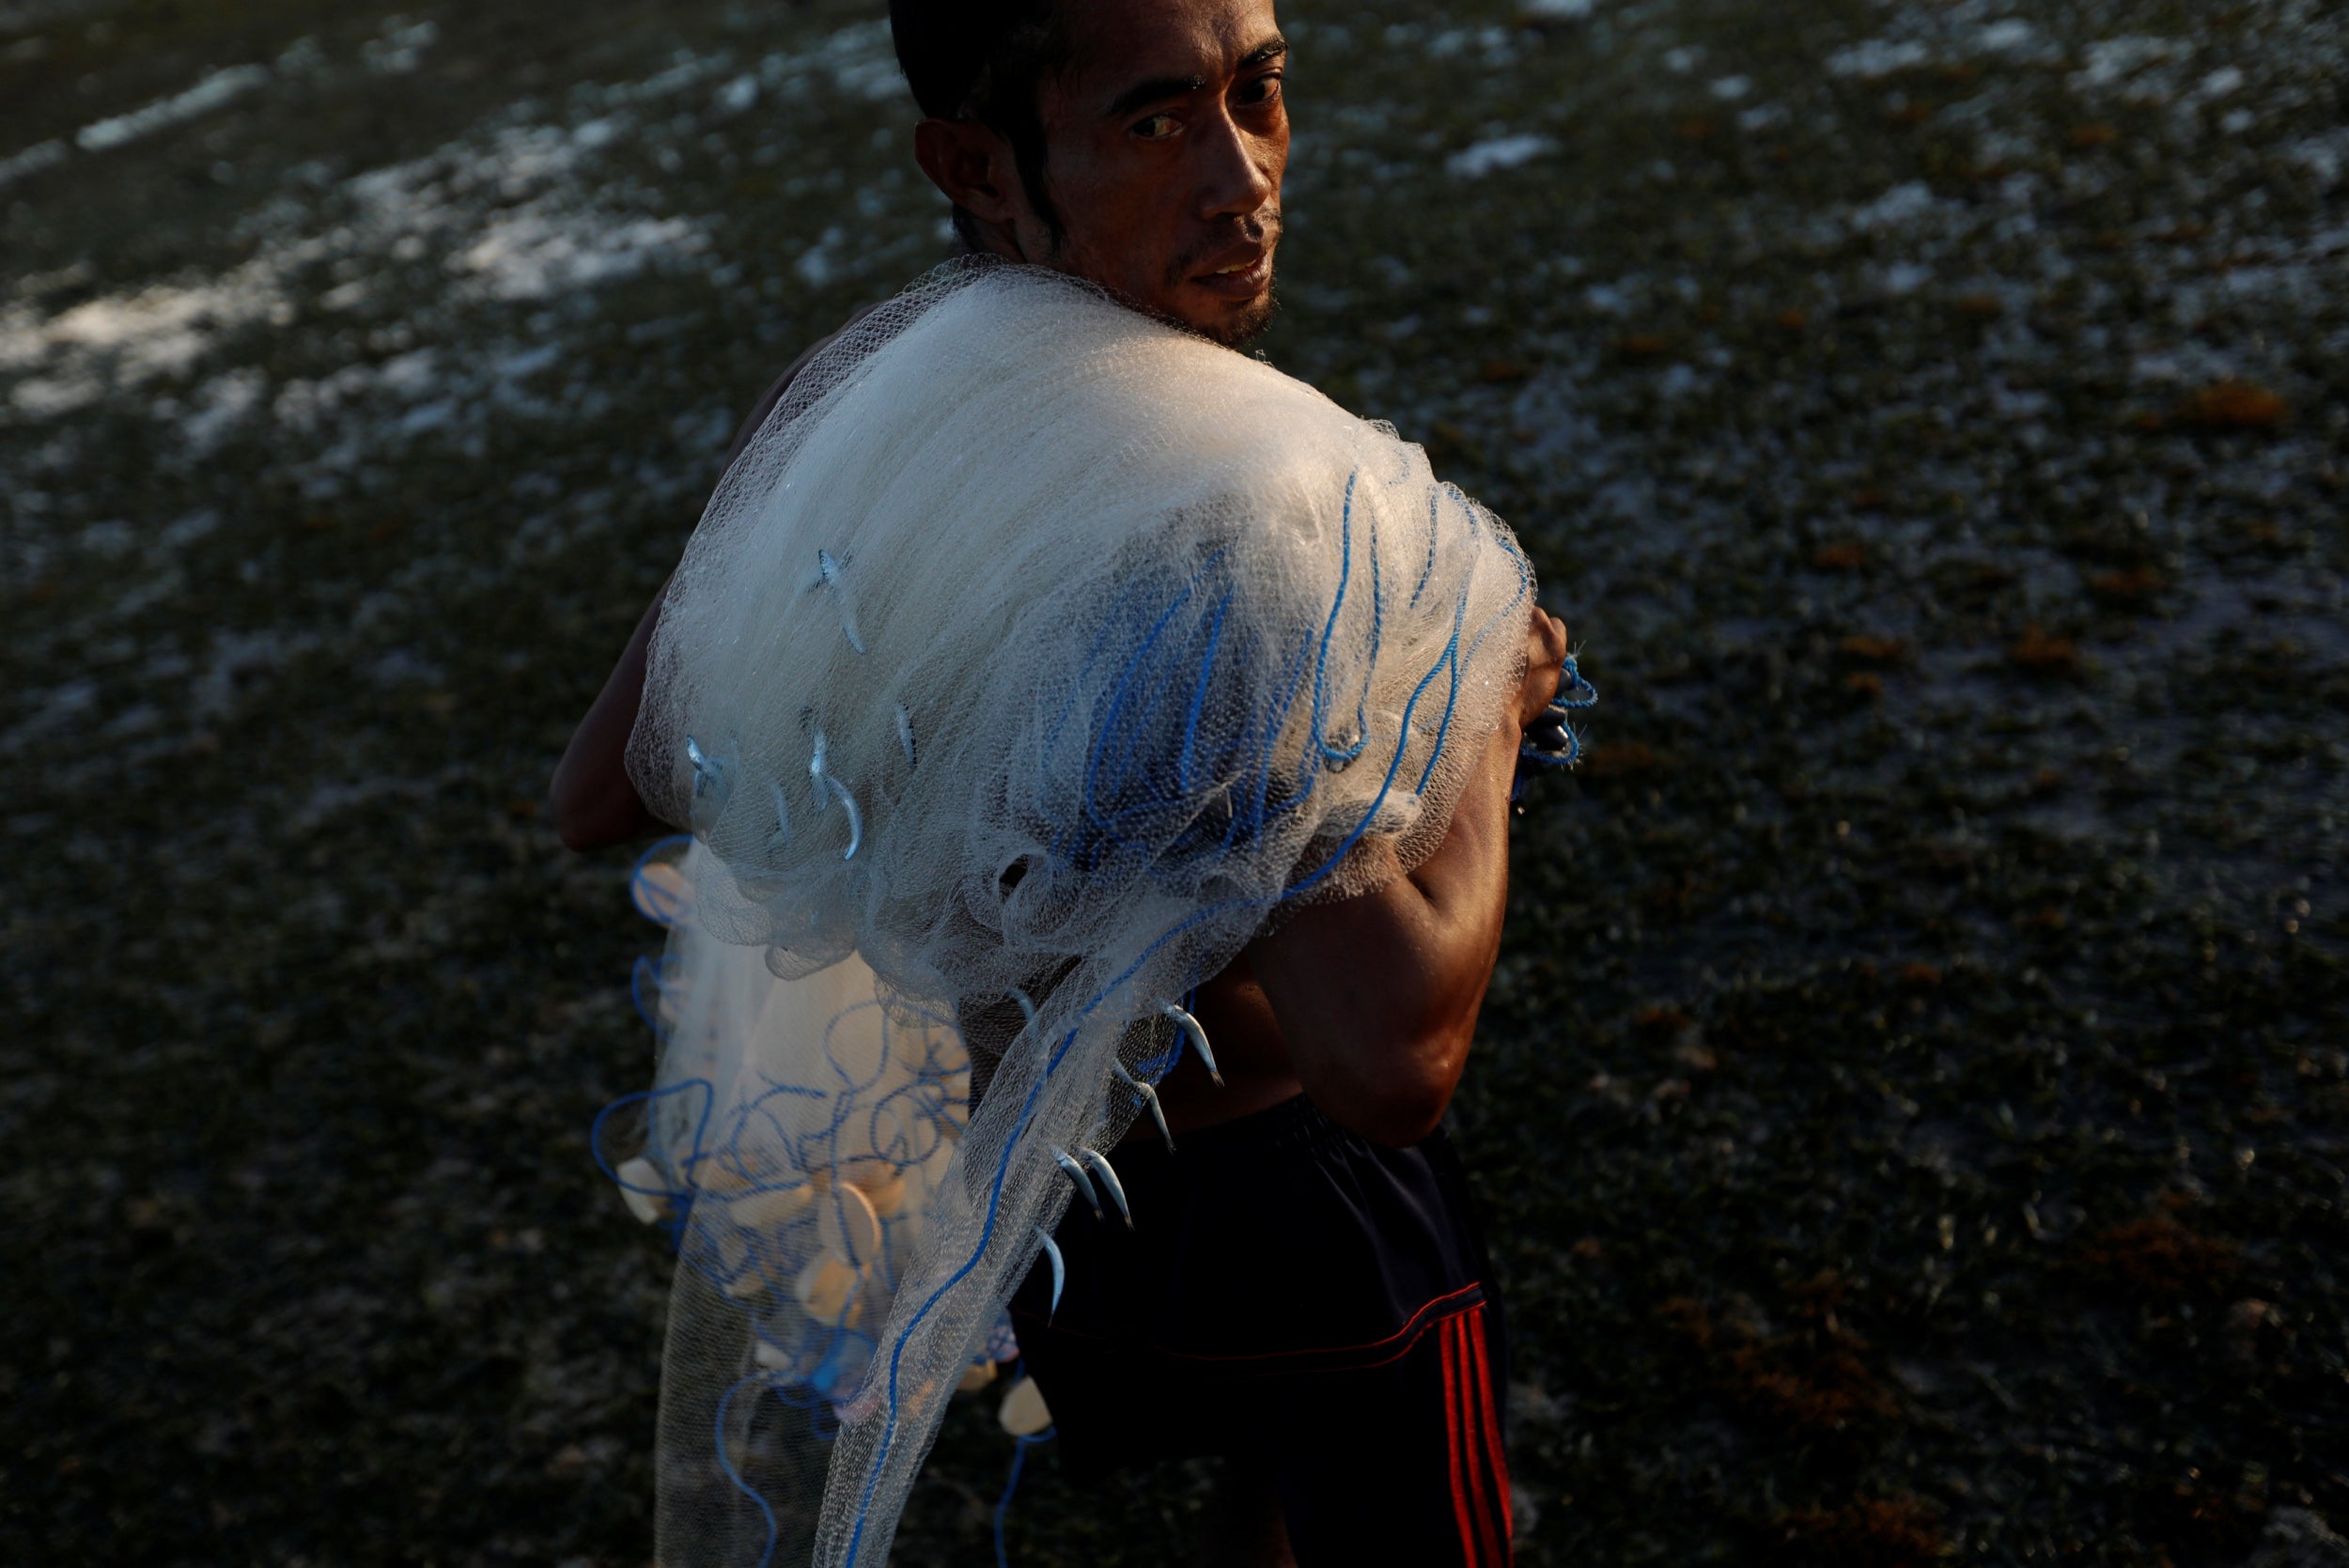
(1248, 322)
(1236, 325)
(1251, 323)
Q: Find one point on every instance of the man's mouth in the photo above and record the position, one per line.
(1239, 275)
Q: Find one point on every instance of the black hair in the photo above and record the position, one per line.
(985, 60)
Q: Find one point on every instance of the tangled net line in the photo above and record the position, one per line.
(1031, 662)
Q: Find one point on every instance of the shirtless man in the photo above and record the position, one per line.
(1305, 1290)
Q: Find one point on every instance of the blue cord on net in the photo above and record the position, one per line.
(1011, 1484)
(1550, 740)
(1118, 773)
(994, 1199)
(766, 1510)
(658, 904)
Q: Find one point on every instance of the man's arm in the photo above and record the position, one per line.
(595, 804)
(1376, 996)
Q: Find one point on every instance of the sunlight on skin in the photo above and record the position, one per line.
(1168, 150)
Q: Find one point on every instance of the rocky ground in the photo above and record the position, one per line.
(1913, 1102)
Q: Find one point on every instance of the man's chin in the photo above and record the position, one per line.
(1235, 324)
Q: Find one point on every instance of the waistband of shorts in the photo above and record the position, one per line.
(1295, 1126)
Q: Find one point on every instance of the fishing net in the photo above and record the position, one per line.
(1033, 659)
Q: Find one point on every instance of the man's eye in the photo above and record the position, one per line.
(1157, 127)
(1264, 89)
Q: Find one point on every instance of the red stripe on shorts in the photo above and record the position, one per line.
(1455, 1436)
(1472, 1439)
(1496, 1453)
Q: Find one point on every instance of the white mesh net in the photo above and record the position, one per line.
(1032, 659)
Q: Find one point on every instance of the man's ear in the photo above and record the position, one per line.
(974, 166)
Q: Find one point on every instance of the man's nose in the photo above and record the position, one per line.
(1238, 177)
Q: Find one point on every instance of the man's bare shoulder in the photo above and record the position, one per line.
(765, 406)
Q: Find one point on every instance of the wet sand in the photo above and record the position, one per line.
(1911, 1106)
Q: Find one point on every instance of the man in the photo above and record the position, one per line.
(1303, 1289)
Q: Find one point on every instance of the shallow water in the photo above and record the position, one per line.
(1912, 1104)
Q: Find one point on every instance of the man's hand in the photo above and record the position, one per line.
(1544, 651)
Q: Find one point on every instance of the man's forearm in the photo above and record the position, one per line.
(1376, 996)
(595, 802)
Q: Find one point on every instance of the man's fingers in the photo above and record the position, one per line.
(1541, 683)
(1545, 650)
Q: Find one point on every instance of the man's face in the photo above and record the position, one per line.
(1166, 138)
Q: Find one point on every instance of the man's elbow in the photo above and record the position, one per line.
(567, 809)
(588, 819)
(1397, 1122)
(578, 834)
(1402, 1106)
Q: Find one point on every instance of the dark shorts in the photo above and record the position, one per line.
(1298, 1298)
